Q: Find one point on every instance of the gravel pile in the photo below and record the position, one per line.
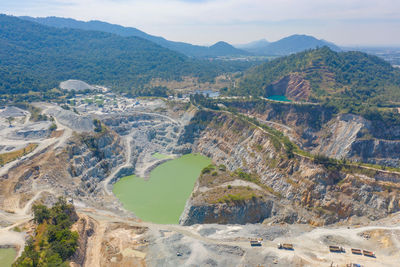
(76, 85)
(72, 120)
(12, 112)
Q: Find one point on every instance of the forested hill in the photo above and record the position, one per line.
(346, 79)
(190, 50)
(35, 57)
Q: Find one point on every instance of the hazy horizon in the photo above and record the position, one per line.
(367, 23)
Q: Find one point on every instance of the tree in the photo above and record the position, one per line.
(41, 213)
(10, 120)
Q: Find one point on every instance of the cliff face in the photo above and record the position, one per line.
(353, 137)
(91, 158)
(383, 152)
(253, 210)
(338, 135)
(316, 129)
(326, 195)
(294, 86)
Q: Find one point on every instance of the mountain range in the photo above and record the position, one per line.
(285, 46)
(35, 57)
(218, 49)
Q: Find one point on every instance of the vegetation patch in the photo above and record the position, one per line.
(36, 113)
(53, 242)
(11, 156)
(231, 194)
(208, 169)
(213, 176)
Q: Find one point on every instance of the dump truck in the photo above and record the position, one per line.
(368, 253)
(336, 249)
(286, 246)
(356, 251)
(255, 243)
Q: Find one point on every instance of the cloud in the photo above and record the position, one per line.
(172, 17)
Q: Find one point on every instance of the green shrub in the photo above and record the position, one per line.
(222, 167)
(53, 127)
(208, 169)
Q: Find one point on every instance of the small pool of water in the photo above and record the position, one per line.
(279, 98)
(7, 256)
(162, 198)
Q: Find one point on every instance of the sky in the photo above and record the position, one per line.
(344, 22)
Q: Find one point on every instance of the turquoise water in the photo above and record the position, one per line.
(279, 98)
(162, 198)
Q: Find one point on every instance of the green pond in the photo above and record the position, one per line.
(279, 98)
(162, 198)
(7, 256)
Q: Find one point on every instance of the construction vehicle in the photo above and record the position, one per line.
(368, 253)
(286, 246)
(356, 251)
(336, 249)
(255, 243)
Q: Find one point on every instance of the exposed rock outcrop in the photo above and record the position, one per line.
(293, 86)
(339, 136)
(318, 130)
(250, 211)
(382, 152)
(328, 195)
(92, 157)
(85, 228)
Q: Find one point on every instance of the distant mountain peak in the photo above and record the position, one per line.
(221, 44)
(222, 48)
(287, 45)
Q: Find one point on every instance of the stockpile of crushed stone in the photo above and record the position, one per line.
(72, 120)
(76, 85)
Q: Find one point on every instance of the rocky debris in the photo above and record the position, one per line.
(11, 111)
(32, 131)
(72, 120)
(123, 245)
(76, 85)
(163, 252)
